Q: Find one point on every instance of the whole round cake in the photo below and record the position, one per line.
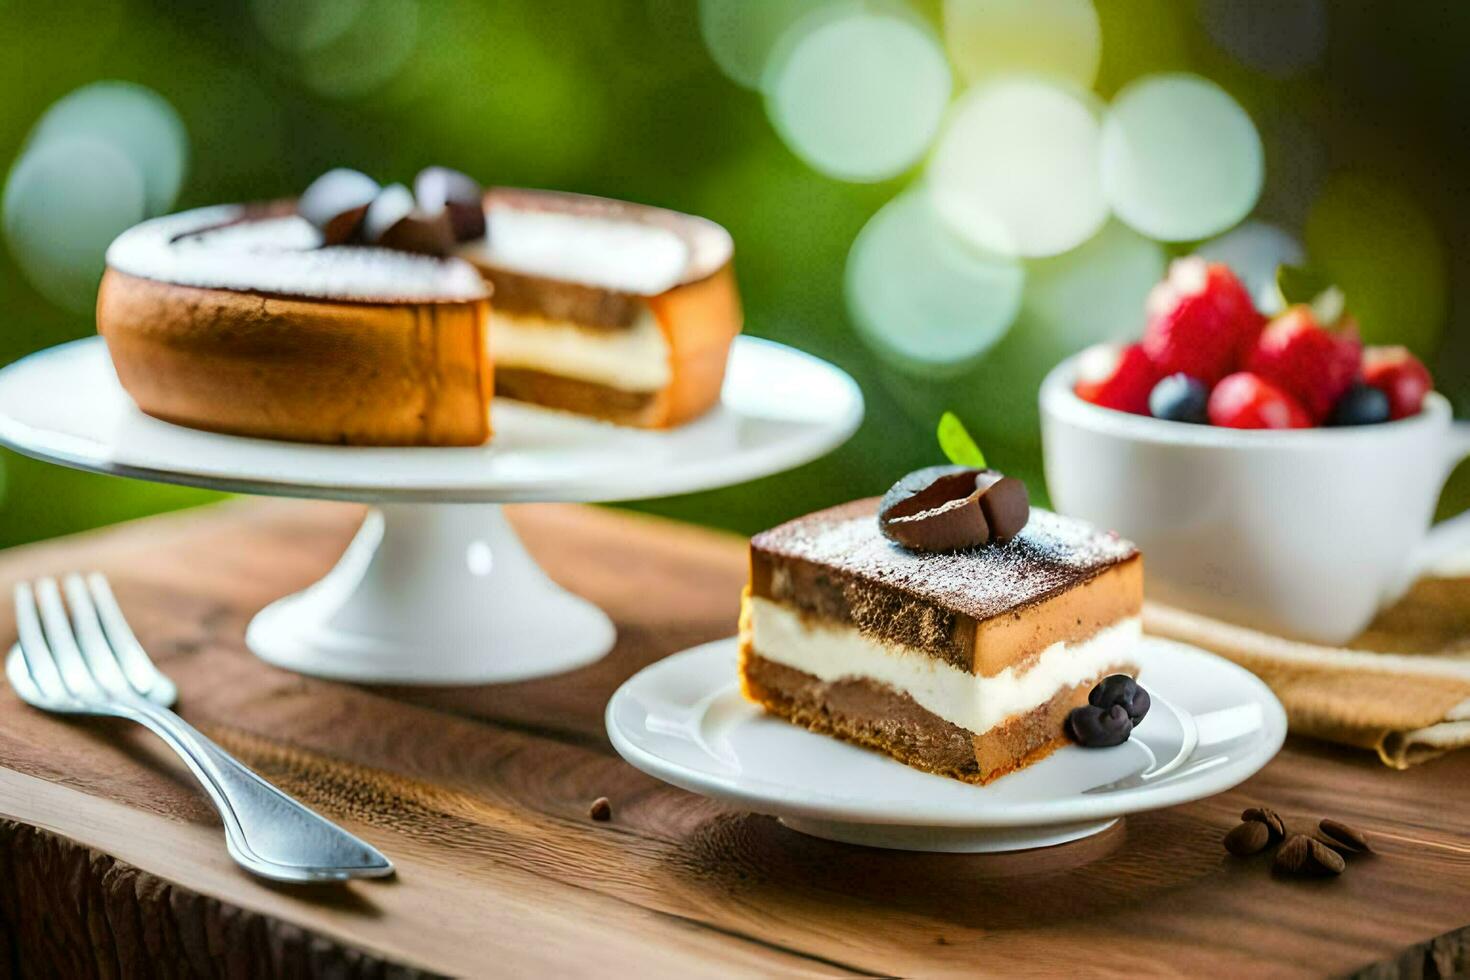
(379, 316)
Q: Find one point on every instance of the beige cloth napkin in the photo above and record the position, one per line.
(1402, 688)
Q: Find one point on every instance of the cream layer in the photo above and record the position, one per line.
(831, 652)
(632, 358)
(612, 253)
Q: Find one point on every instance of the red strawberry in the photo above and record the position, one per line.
(1116, 377)
(1201, 321)
(1314, 364)
(1399, 375)
(1247, 401)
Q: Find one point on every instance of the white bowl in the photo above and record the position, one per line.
(1302, 532)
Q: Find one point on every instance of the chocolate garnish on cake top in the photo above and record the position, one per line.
(946, 508)
(350, 208)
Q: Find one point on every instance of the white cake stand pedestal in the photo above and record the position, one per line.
(436, 588)
(438, 594)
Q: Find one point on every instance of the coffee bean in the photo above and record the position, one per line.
(1303, 855)
(1324, 859)
(1095, 728)
(393, 221)
(1341, 837)
(935, 509)
(601, 809)
(1293, 856)
(1247, 838)
(1267, 816)
(1005, 502)
(1124, 690)
(441, 189)
(335, 203)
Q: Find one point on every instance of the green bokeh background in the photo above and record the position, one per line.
(621, 98)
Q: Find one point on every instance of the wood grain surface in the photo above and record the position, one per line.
(112, 863)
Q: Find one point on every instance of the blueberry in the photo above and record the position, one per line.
(1360, 405)
(1124, 690)
(1179, 398)
(1097, 728)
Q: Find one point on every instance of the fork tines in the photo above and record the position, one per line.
(81, 649)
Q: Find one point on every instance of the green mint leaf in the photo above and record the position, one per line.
(956, 443)
(1298, 285)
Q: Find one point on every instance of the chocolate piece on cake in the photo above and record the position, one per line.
(964, 664)
(604, 308)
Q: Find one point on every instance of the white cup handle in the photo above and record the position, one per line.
(1448, 543)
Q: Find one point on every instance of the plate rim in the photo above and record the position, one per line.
(739, 466)
(1032, 815)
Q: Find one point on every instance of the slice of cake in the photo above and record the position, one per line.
(960, 662)
(618, 311)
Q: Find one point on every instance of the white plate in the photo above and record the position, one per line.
(779, 408)
(1212, 725)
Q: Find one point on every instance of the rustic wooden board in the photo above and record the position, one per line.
(112, 863)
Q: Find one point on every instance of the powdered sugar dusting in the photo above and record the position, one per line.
(228, 248)
(613, 253)
(1050, 554)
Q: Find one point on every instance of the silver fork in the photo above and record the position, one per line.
(91, 664)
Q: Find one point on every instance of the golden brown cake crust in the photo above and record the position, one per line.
(310, 370)
(699, 320)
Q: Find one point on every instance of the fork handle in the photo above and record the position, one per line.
(267, 832)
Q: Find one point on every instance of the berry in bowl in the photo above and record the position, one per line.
(1208, 357)
(1274, 472)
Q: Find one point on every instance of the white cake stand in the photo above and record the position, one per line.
(436, 588)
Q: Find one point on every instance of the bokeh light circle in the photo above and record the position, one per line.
(1016, 170)
(368, 53)
(65, 200)
(1095, 292)
(304, 25)
(1254, 250)
(1181, 160)
(136, 121)
(1376, 241)
(924, 299)
(1057, 38)
(740, 34)
(857, 92)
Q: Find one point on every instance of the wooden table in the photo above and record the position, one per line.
(112, 863)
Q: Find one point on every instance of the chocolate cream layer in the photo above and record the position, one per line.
(875, 715)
